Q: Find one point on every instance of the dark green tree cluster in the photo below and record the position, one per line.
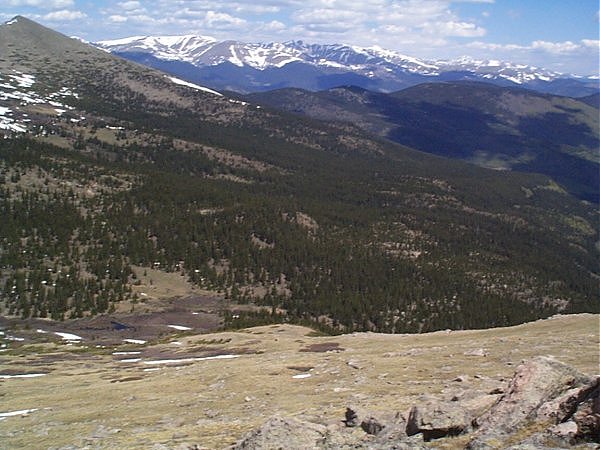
(487, 254)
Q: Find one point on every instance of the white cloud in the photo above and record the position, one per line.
(116, 18)
(64, 15)
(45, 4)
(455, 29)
(566, 47)
(274, 25)
(254, 8)
(572, 57)
(556, 47)
(327, 17)
(222, 20)
(131, 5)
(592, 43)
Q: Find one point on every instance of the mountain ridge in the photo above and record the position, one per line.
(384, 69)
(492, 126)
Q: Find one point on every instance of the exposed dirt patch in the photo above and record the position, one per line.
(300, 368)
(13, 372)
(123, 380)
(323, 347)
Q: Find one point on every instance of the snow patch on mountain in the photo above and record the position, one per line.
(193, 86)
(18, 91)
(395, 69)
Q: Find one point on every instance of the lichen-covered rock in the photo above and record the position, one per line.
(436, 420)
(538, 382)
(564, 430)
(587, 417)
(371, 425)
(565, 405)
(284, 433)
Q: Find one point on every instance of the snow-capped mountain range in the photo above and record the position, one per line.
(373, 67)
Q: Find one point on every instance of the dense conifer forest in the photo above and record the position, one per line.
(371, 257)
(310, 222)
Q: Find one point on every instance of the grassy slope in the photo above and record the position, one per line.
(212, 403)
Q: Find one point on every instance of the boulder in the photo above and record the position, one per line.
(371, 425)
(564, 430)
(351, 418)
(538, 382)
(564, 406)
(284, 432)
(437, 420)
(587, 418)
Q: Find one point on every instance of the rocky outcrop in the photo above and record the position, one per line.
(542, 392)
(435, 420)
(547, 404)
(587, 416)
(284, 432)
(372, 426)
(354, 417)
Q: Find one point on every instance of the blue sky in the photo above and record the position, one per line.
(556, 34)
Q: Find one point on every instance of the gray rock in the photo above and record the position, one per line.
(535, 383)
(587, 417)
(284, 433)
(351, 417)
(475, 352)
(564, 406)
(372, 426)
(565, 430)
(437, 420)
(394, 436)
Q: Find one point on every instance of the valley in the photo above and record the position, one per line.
(495, 127)
(314, 223)
(184, 267)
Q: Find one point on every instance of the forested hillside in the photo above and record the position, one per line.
(311, 222)
(496, 127)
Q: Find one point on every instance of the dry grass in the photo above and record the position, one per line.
(96, 400)
(157, 286)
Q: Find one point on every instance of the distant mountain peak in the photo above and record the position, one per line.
(327, 65)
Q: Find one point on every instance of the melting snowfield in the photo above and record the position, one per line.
(68, 336)
(17, 89)
(179, 327)
(21, 412)
(25, 375)
(194, 86)
(134, 341)
(302, 375)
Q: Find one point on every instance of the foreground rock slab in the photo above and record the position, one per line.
(437, 420)
(284, 432)
(542, 391)
(546, 405)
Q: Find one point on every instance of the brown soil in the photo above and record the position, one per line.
(199, 313)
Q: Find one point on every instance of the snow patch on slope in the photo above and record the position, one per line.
(193, 86)
(17, 90)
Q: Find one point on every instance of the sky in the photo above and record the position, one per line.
(561, 35)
